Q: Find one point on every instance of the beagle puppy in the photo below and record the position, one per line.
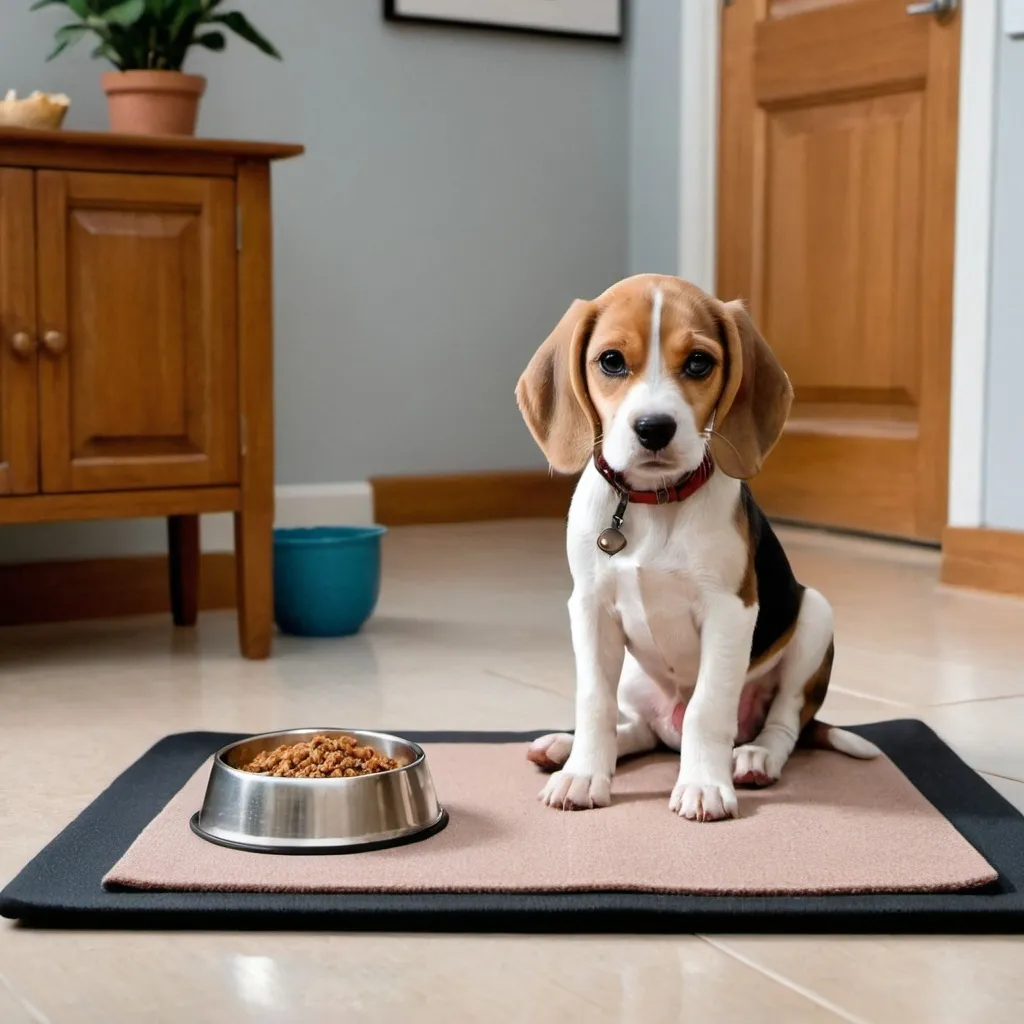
(688, 626)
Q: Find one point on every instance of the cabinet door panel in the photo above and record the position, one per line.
(137, 296)
(19, 414)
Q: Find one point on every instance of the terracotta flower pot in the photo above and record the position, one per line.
(153, 102)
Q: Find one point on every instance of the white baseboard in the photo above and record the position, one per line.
(345, 504)
(301, 505)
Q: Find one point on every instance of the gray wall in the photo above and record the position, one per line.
(1004, 425)
(460, 189)
(654, 125)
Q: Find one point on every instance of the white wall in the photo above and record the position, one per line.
(1004, 408)
(460, 189)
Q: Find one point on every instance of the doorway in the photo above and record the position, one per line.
(836, 205)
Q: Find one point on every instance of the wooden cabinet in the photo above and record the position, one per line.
(137, 307)
(19, 389)
(136, 344)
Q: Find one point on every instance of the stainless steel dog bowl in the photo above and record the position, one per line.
(268, 814)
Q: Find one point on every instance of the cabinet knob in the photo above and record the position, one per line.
(55, 342)
(22, 344)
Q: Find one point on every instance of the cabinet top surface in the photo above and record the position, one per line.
(153, 144)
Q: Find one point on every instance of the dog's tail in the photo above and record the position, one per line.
(821, 736)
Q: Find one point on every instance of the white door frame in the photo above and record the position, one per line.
(698, 141)
(698, 180)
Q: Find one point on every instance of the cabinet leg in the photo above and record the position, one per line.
(183, 568)
(254, 553)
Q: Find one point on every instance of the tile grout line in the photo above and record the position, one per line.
(976, 700)
(35, 1014)
(536, 687)
(838, 688)
(998, 775)
(785, 982)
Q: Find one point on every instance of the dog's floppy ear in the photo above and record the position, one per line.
(755, 402)
(552, 392)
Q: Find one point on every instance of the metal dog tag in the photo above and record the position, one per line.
(612, 540)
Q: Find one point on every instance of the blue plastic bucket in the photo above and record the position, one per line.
(326, 579)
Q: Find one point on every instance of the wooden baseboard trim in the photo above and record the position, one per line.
(105, 588)
(984, 559)
(470, 498)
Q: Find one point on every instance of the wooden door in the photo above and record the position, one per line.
(19, 414)
(137, 320)
(836, 209)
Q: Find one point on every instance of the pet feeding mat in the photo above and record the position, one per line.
(837, 845)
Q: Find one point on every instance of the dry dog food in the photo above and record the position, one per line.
(322, 757)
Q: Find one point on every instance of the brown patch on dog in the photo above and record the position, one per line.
(624, 326)
(755, 401)
(691, 325)
(566, 399)
(552, 392)
(748, 585)
(816, 688)
(690, 322)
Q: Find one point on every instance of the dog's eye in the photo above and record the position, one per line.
(613, 363)
(698, 365)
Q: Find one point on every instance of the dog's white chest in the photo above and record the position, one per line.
(656, 609)
(657, 585)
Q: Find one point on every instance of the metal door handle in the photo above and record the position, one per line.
(940, 8)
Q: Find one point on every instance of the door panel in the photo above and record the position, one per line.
(837, 182)
(140, 390)
(839, 296)
(19, 414)
(785, 8)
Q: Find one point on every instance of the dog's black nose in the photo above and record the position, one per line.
(655, 432)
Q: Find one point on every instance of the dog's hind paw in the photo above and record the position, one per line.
(550, 752)
(754, 766)
(567, 792)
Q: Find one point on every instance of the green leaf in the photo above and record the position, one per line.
(212, 41)
(186, 9)
(106, 52)
(81, 7)
(67, 36)
(126, 13)
(239, 24)
(47, 3)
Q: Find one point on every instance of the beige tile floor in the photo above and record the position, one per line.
(472, 633)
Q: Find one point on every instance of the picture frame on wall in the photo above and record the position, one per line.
(583, 19)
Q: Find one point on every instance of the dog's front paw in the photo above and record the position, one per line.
(754, 766)
(567, 792)
(704, 801)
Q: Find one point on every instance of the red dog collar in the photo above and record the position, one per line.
(679, 491)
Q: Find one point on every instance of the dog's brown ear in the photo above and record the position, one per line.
(755, 402)
(552, 392)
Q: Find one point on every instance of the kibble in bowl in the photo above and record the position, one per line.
(322, 757)
(319, 790)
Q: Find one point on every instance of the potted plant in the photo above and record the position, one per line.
(148, 41)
